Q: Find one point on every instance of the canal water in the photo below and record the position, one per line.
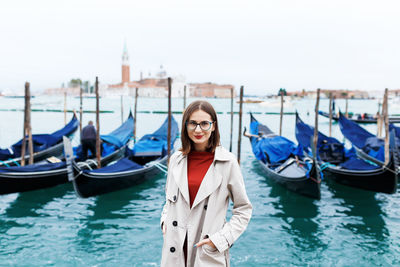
(53, 227)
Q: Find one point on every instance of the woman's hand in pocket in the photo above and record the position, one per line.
(204, 242)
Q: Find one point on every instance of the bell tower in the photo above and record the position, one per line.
(125, 65)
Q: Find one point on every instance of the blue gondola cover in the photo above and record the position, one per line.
(121, 165)
(304, 132)
(361, 138)
(277, 148)
(156, 144)
(121, 135)
(40, 141)
(34, 167)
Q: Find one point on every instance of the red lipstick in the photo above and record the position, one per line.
(198, 136)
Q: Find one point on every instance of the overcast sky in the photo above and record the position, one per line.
(263, 45)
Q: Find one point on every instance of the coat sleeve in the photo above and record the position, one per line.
(167, 203)
(241, 212)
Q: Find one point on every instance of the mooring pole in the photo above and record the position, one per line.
(184, 97)
(23, 148)
(281, 115)
(27, 127)
(65, 108)
(122, 109)
(98, 144)
(169, 117)
(230, 142)
(240, 122)
(316, 123)
(330, 114)
(380, 119)
(386, 119)
(347, 104)
(134, 116)
(80, 110)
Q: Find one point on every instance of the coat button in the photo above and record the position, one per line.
(175, 223)
(174, 198)
(205, 207)
(172, 249)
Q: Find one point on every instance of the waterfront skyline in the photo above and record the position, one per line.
(263, 45)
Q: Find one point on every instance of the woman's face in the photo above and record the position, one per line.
(200, 134)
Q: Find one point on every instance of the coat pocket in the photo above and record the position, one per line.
(209, 249)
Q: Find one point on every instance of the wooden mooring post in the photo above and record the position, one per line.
(184, 97)
(386, 120)
(315, 140)
(281, 113)
(169, 117)
(65, 108)
(27, 127)
(80, 109)
(98, 141)
(230, 142)
(134, 116)
(347, 104)
(330, 114)
(240, 122)
(122, 109)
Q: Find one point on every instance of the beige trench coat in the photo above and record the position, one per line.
(207, 217)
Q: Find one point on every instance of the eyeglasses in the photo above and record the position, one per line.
(204, 125)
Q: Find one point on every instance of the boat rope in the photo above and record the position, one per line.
(160, 166)
(309, 169)
(392, 171)
(88, 161)
(4, 163)
(81, 164)
(16, 162)
(326, 165)
(76, 176)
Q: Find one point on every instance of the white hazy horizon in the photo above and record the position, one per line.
(263, 45)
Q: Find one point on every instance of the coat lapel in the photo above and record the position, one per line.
(181, 179)
(210, 183)
(213, 177)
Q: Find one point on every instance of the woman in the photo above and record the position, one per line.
(202, 177)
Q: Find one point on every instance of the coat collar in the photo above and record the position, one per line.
(210, 182)
(221, 154)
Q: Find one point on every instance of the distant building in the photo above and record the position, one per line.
(336, 93)
(125, 66)
(158, 86)
(151, 86)
(210, 90)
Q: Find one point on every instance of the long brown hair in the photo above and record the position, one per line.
(213, 142)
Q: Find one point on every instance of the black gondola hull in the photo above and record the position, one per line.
(91, 184)
(54, 151)
(306, 186)
(15, 182)
(382, 180)
(22, 182)
(366, 120)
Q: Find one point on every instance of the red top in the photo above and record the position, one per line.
(198, 165)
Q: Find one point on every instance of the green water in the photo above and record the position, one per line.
(52, 227)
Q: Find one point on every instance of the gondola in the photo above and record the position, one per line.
(360, 118)
(344, 166)
(282, 161)
(367, 145)
(46, 174)
(396, 130)
(44, 146)
(147, 159)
